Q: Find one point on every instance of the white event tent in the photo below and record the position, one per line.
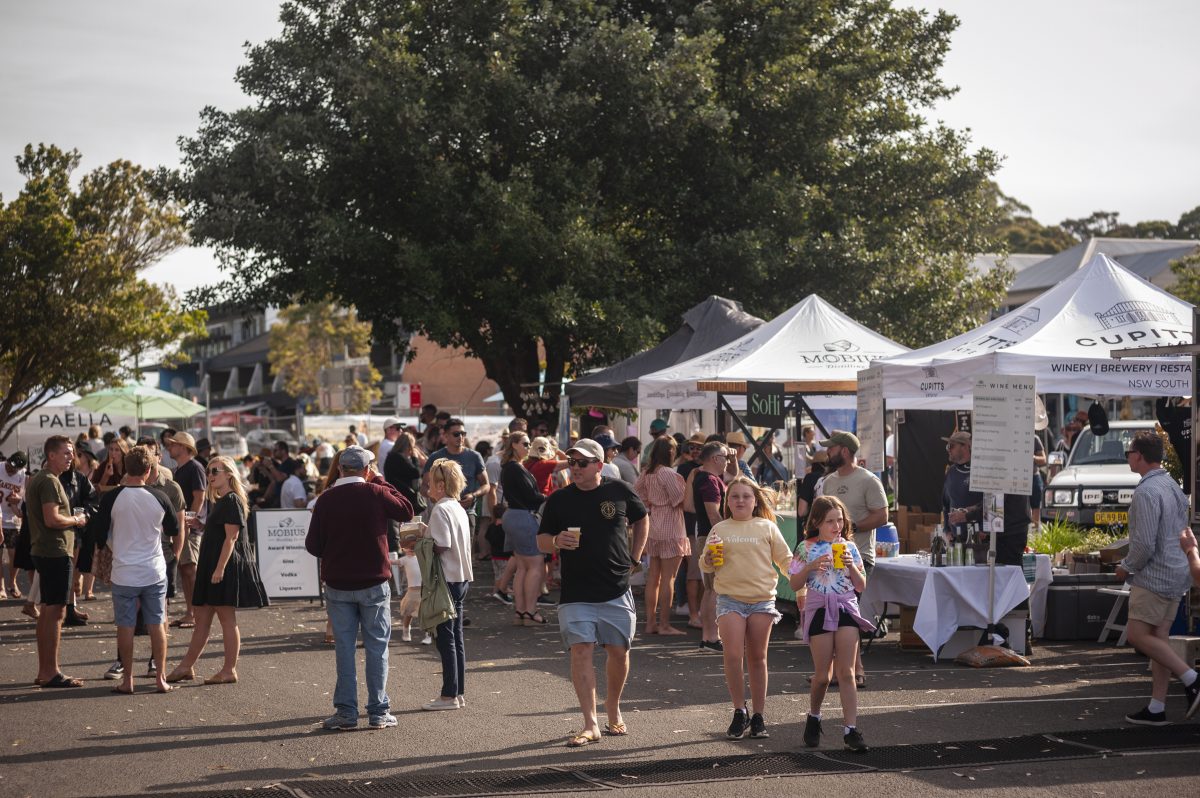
(1064, 339)
(811, 347)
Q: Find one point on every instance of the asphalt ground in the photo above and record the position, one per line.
(265, 729)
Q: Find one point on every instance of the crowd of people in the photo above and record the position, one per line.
(157, 518)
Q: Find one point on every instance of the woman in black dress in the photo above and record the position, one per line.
(226, 574)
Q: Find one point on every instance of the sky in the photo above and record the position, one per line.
(1093, 104)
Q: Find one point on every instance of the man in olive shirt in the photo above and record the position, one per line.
(52, 540)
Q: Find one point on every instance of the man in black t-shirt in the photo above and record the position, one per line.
(588, 523)
(192, 480)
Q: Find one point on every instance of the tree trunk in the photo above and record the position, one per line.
(513, 367)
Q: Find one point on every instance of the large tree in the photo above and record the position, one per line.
(574, 174)
(76, 315)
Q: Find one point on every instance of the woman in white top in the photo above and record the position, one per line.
(451, 533)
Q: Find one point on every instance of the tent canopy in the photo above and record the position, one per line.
(714, 322)
(1063, 338)
(811, 347)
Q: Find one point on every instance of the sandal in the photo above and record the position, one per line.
(860, 681)
(534, 618)
(618, 729)
(519, 618)
(59, 680)
(581, 739)
(185, 676)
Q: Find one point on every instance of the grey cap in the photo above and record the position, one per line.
(355, 458)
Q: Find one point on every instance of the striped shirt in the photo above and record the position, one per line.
(1157, 515)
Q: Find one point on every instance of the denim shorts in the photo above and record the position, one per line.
(520, 532)
(728, 604)
(153, 600)
(609, 623)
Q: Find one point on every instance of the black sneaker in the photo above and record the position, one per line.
(546, 601)
(853, 742)
(737, 729)
(812, 732)
(1144, 717)
(114, 672)
(502, 597)
(151, 670)
(73, 619)
(758, 726)
(712, 645)
(1191, 694)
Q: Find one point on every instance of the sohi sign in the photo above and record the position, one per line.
(764, 404)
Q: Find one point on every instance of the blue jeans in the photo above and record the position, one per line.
(450, 644)
(371, 611)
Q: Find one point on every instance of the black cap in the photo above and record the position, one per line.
(1097, 419)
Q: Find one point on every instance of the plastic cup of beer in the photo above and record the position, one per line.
(578, 534)
(716, 553)
(839, 555)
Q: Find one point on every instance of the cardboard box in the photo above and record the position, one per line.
(1116, 552)
(909, 640)
(1084, 563)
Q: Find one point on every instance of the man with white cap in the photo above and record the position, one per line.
(190, 477)
(349, 532)
(587, 523)
(392, 427)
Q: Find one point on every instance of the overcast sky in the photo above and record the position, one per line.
(1094, 104)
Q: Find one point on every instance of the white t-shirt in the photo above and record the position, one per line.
(324, 450)
(610, 470)
(385, 446)
(10, 484)
(135, 537)
(291, 491)
(450, 529)
(362, 440)
(412, 570)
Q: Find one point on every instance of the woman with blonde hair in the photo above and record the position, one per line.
(450, 529)
(523, 499)
(226, 576)
(661, 489)
(753, 555)
(109, 476)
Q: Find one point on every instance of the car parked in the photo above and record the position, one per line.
(260, 439)
(1095, 486)
(226, 440)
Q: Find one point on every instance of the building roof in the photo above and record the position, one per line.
(248, 353)
(984, 263)
(1148, 258)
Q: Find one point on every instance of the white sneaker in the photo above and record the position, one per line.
(462, 702)
(406, 635)
(428, 639)
(440, 703)
(682, 609)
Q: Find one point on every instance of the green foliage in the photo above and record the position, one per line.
(1187, 275)
(1055, 536)
(574, 175)
(1020, 232)
(307, 338)
(76, 314)
(1095, 539)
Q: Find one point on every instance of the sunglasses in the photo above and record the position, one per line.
(571, 461)
(459, 434)
(212, 472)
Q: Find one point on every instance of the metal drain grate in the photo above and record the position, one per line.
(726, 768)
(1141, 739)
(458, 786)
(960, 754)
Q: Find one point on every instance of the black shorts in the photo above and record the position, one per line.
(55, 575)
(817, 627)
(10, 538)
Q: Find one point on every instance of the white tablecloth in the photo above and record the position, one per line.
(945, 598)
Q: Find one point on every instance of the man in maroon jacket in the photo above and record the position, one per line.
(349, 532)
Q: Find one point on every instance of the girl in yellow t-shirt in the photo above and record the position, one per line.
(749, 550)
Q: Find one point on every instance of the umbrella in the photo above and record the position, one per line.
(141, 401)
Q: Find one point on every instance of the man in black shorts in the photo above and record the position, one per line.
(52, 537)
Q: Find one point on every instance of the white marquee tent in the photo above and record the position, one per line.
(1063, 338)
(811, 347)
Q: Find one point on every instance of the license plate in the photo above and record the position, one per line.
(1112, 518)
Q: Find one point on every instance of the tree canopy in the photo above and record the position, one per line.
(76, 314)
(575, 174)
(307, 339)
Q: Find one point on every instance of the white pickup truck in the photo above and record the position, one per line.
(1095, 485)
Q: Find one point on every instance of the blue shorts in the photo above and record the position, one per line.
(153, 601)
(520, 532)
(609, 623)
(728, 604)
